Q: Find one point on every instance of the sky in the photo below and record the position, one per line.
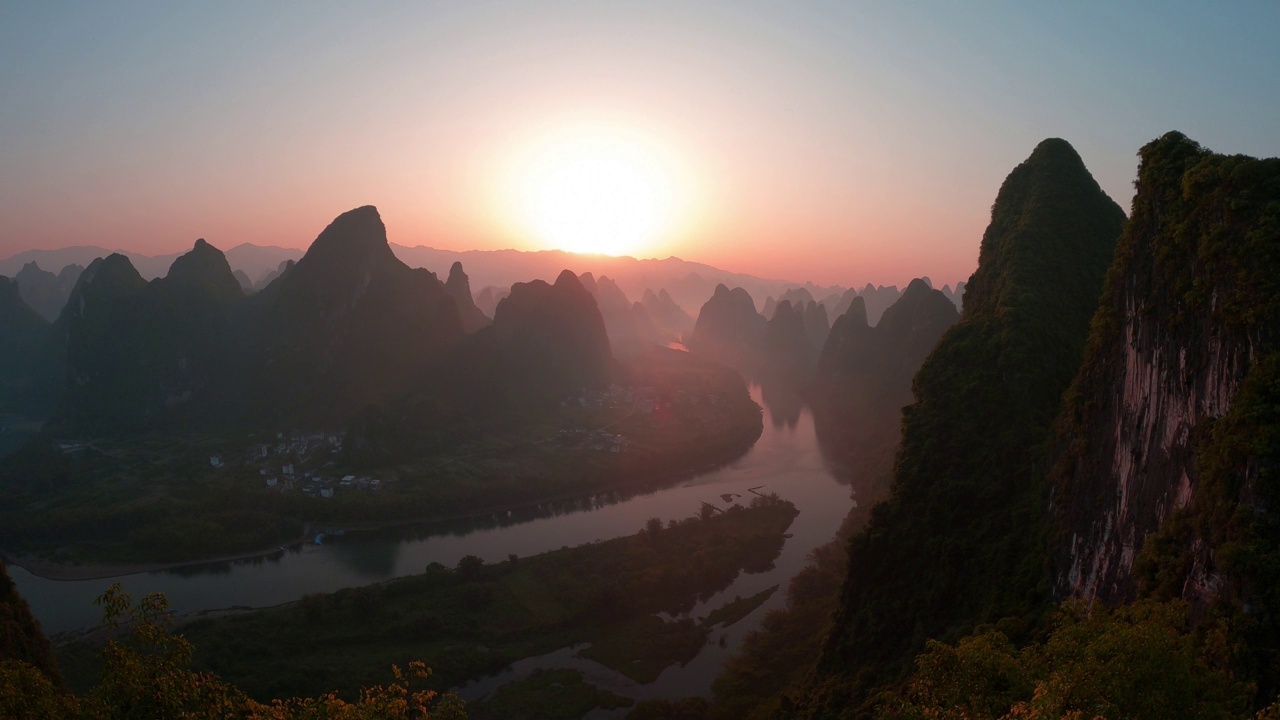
(841, 143)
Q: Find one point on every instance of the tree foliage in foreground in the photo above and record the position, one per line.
(146, 674)
(1133, 663)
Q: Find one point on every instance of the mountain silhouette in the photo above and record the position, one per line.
(967, 512)
(45, 292)
(729, 330)
(459, 288)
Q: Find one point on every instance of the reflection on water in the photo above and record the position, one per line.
(786, 460)
(783, 401)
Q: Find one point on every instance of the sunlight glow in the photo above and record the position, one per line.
(602, 193)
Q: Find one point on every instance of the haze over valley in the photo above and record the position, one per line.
(698, 362)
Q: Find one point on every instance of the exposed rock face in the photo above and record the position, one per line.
(45, 292)
(961, 539)
(730, 330)
(459, 288)
(1189, 315)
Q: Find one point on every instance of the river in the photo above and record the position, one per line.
(786, 460)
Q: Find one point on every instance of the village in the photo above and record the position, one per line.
(297, 461)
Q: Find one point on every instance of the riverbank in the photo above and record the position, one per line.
(90, 570)
(477, 618)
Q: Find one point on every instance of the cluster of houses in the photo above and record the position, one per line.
(299, 445)
(280, 464)
(583, 439)
(317, 485)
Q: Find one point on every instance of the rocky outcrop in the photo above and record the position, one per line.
(458, 286)
(1189, 315)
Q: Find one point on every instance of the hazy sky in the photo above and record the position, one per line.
(839, 142)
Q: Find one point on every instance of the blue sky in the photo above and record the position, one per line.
(841, 142)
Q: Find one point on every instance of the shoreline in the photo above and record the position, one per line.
(72, 572)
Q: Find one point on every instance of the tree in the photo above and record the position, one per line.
(146, 674)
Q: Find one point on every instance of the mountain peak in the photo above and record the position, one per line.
(357, 236)
(918, 286)
(1050, 213)
(204, 268)
(567, 279)
(857, 312)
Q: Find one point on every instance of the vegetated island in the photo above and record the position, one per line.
(629, 598)
(111, 506)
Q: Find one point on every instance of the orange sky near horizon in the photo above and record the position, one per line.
(833, 142)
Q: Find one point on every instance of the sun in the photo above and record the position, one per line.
(600, 193)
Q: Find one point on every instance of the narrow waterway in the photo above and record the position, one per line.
(786, 460)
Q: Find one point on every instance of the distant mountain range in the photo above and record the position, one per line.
(688, 284)
(345, 331)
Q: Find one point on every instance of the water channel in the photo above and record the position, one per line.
(786, 460)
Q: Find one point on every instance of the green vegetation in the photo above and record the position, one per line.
(1139, 662)
(775, 658)
(642, 647)
(478, 618)
(20, 635)
(146, 674)
(1202, 253)
(962, 539)
(156, 499)
(738, 609)
(547, 695)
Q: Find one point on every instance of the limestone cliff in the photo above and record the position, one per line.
(1190, 314)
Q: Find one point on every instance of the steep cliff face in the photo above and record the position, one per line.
(1191, 311)
(961, 540)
